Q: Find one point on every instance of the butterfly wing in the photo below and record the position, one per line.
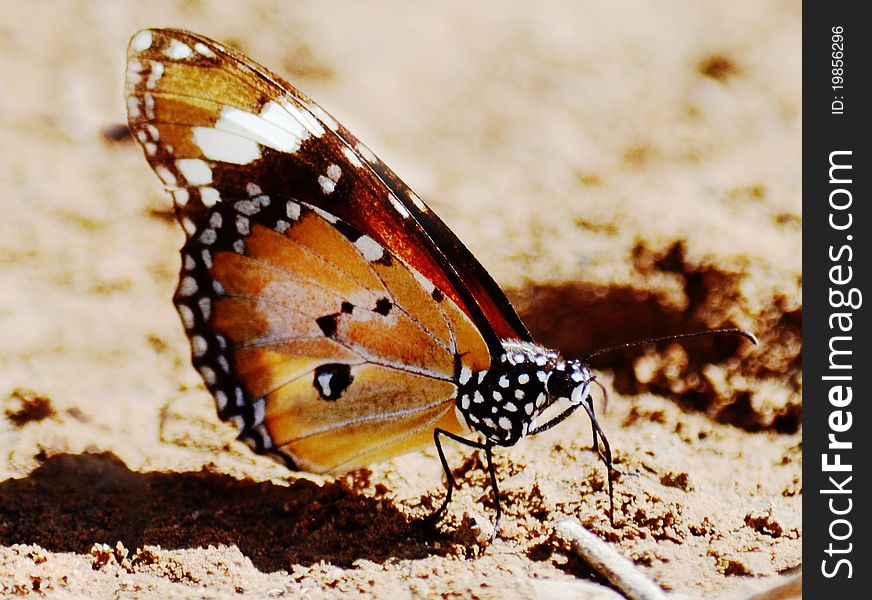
(213, 122)
(316, 335)
(321, 345)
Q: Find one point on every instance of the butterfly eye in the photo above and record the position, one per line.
(568, 380)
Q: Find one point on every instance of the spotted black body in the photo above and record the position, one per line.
(504, 403)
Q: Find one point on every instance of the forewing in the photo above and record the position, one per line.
(215, 125)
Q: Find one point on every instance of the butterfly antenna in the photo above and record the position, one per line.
(671, 338)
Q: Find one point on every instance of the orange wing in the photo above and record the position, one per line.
(322, 346)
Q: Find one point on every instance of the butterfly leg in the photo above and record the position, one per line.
(493, 478)
(451, 483)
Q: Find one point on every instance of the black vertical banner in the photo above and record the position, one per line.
(837, 269)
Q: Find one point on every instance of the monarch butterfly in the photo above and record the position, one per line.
(335, 319)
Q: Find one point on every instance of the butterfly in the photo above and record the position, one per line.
(335, 319)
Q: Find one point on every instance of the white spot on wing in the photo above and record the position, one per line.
(280, 116)
(178, 50)
(398, 206)
(327, 185)
(134, 68)
(242, 225)
(187, 286)
(259, 411)
(273, 127)
(370, 249)
(209, 196)
(205, 306)
(324, 380)
(424, 282)
(417, 201)
(303, 117)
(157, 70)
(166, 175)
(195, 171)
(330, 218)
(148, 103)
(204, 50)
(366, 153)
(247, 207)
(189, 226)
(226, 147)
(199, 345)
(220, 400)
(208, 236)
(133, 107)
(141, 41)
(187, 316)
(351, 156)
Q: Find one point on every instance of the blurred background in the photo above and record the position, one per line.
(623, 169)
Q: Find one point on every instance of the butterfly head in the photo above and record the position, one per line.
(504, 403)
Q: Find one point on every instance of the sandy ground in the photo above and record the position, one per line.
(623, 169)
